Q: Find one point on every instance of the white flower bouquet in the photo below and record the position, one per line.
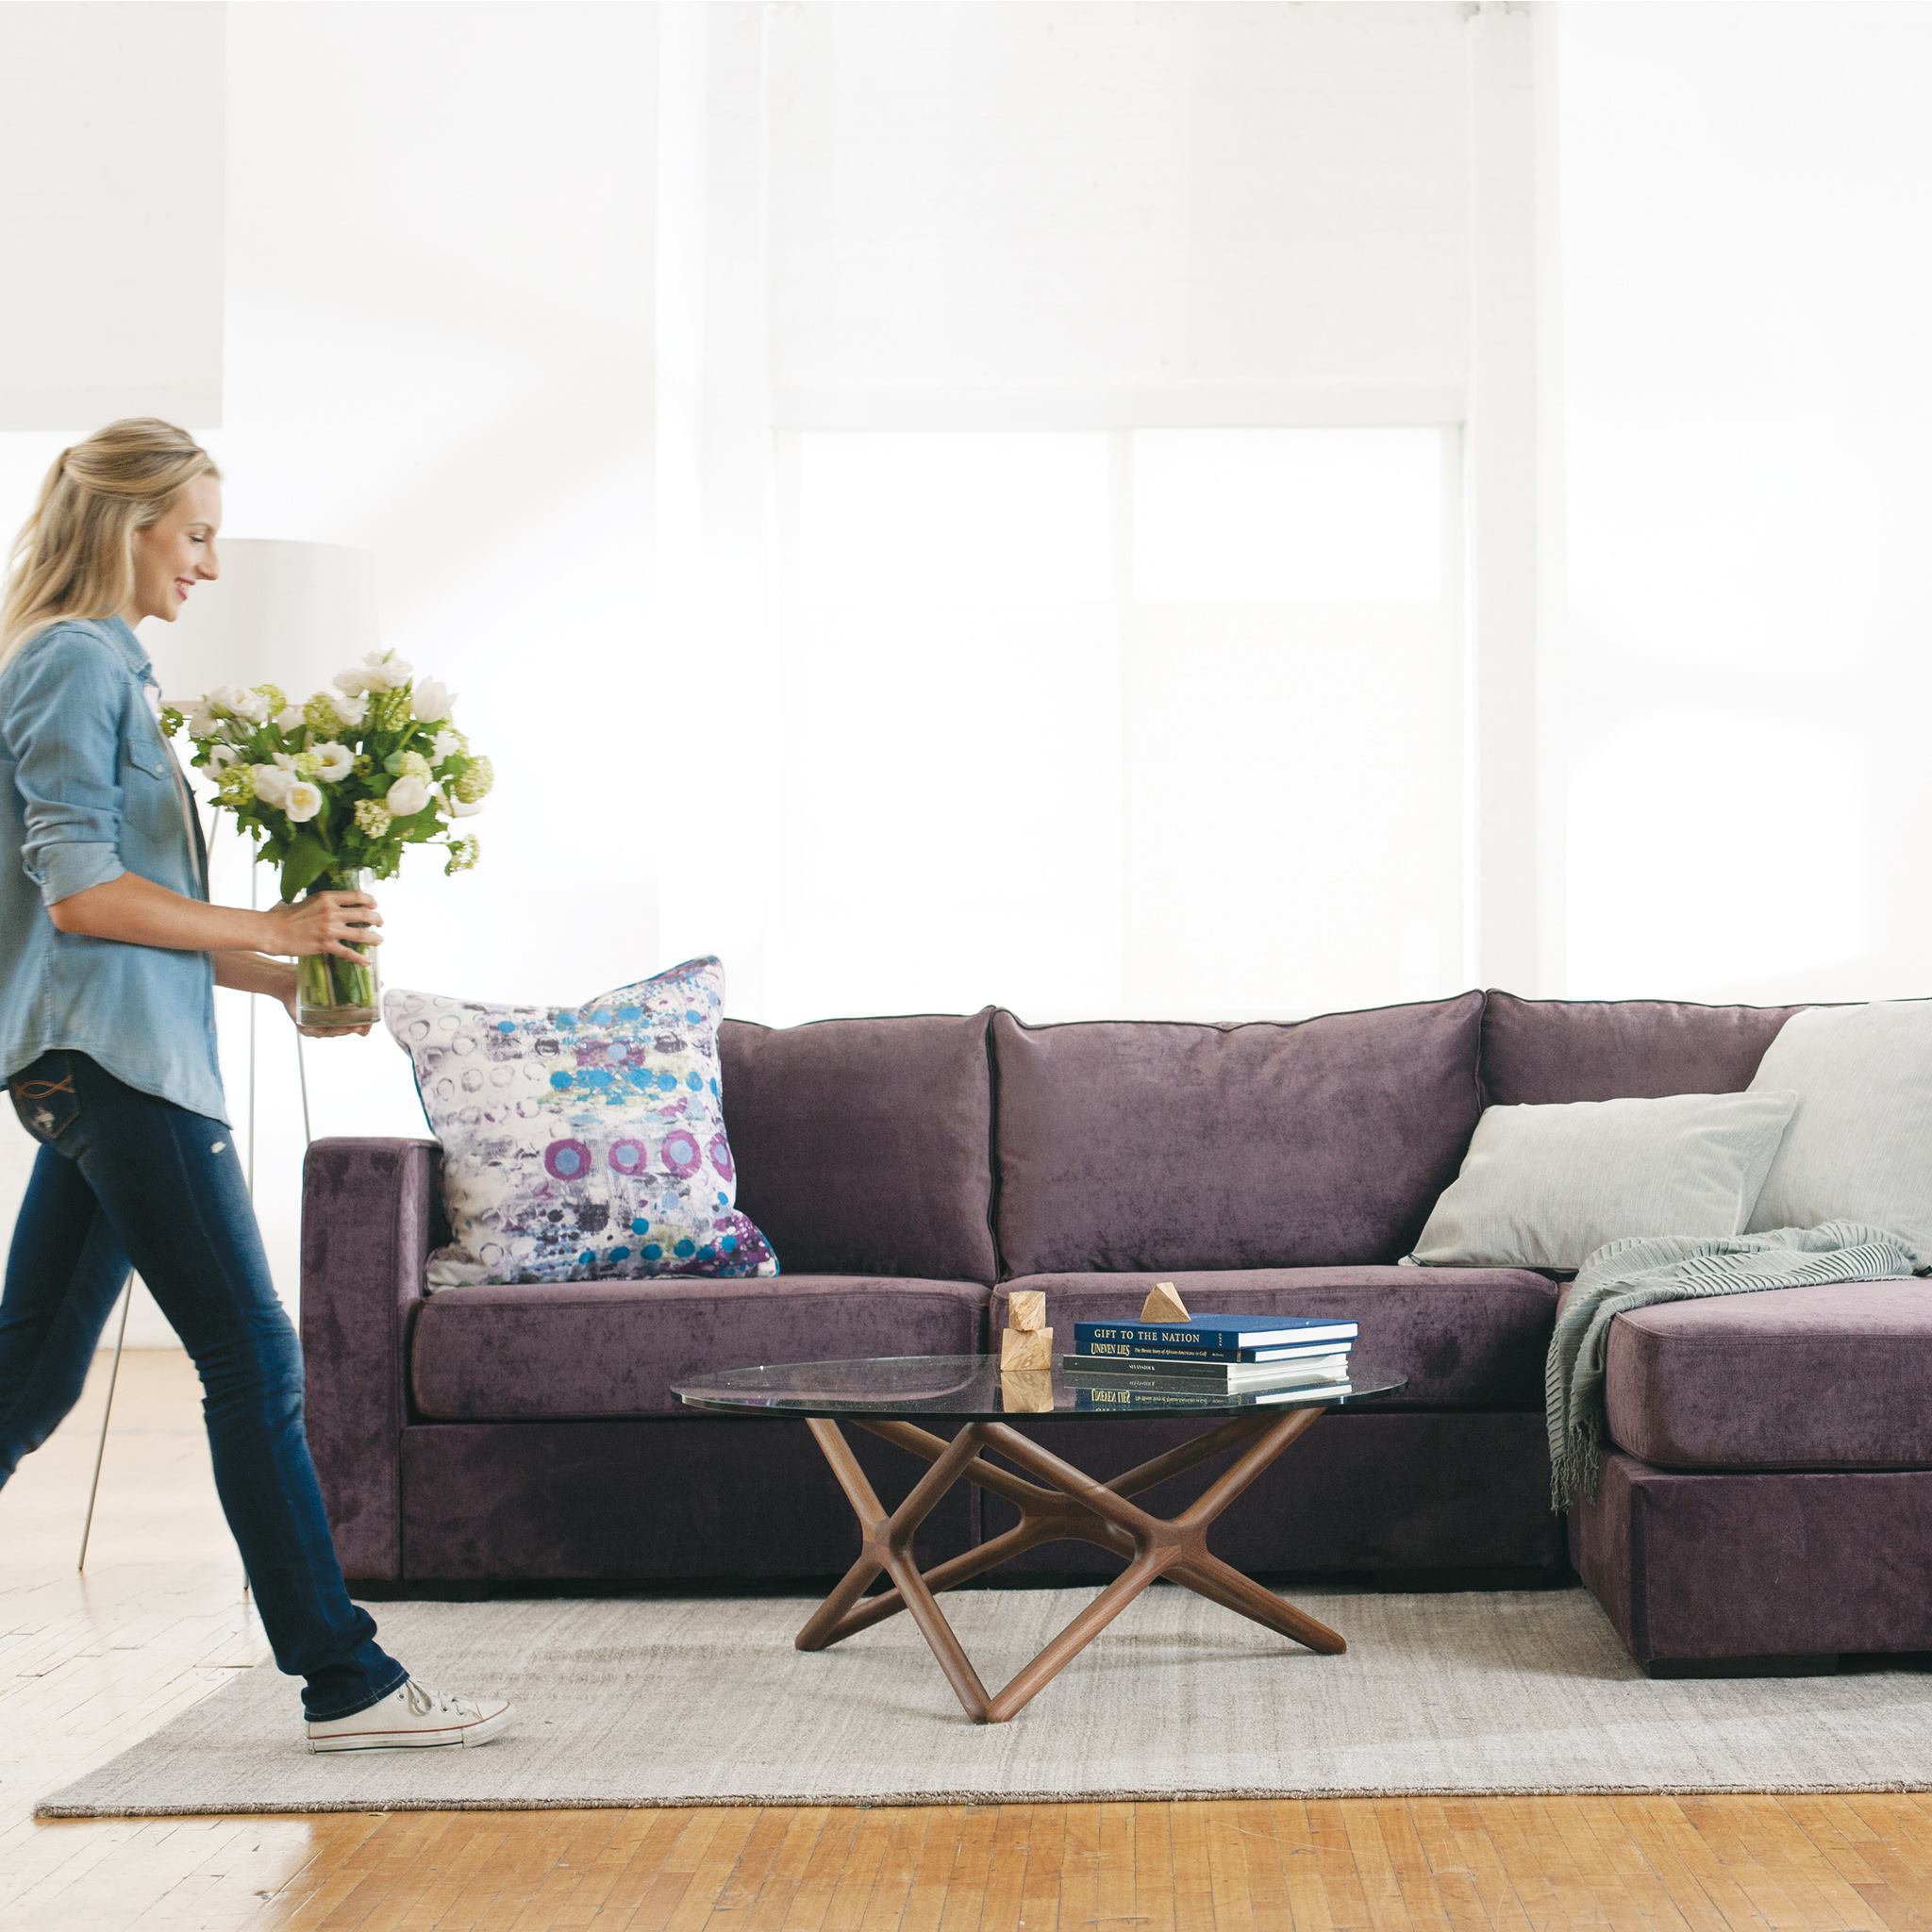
(332, 789)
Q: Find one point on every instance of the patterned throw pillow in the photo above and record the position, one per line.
(583, 1142)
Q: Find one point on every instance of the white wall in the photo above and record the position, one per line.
(1743, 491)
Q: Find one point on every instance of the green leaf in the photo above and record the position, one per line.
(419, 824)
(308, 860)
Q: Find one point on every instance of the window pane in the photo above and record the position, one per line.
(1288, 516)
(952, 518)
(1223, 803)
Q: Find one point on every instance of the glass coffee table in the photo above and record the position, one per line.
(890, 1396)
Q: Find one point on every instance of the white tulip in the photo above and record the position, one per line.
(442, 745)
(350, 709)
(291, 718)
(432, 700)
(221, 757)
(407, 796)
(335, 761)
(205, 723)
(386, 672)
(458, 809)
(272, 784)
(252, 706)
(302, 802)
(353, 682)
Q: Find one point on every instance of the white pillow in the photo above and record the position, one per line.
(1860, 1147)
(1543, 1186)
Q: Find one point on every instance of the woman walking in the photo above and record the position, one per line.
(110, 953)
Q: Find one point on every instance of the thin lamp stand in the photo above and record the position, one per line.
(114, 1376)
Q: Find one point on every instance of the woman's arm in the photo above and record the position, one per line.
(138, 912)
(255, 973)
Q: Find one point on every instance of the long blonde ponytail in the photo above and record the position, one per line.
(74, 555)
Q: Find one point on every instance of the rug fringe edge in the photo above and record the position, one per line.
(900, 1801)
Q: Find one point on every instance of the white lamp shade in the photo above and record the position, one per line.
(293, 613)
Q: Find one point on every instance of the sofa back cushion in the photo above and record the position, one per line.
(1536, 1053)
(1127, 1144)
(864, 1146)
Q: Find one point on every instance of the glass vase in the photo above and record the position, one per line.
(333, 991)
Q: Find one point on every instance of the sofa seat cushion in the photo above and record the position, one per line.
(1465, 1337)
(593, 1349)
(1814, 1378)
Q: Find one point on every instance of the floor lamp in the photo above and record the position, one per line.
(293, 613)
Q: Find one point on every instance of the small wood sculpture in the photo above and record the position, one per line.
(1026, 1391)
(1164, 1304)
(1025, 1348)
(1026, 1342)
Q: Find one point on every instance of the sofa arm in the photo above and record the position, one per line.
(372, 1210)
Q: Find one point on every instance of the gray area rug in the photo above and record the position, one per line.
(679, 1702)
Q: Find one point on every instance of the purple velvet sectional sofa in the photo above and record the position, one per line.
(1770, 1491)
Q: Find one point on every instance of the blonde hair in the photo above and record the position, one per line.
(74, 555)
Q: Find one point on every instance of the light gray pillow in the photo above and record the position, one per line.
(1859, 1147)
(1541, 1186)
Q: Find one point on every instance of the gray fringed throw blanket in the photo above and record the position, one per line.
(1641, 1269)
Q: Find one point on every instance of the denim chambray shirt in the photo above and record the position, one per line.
(91, 788)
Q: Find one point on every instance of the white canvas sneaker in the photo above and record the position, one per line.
(411, 1717)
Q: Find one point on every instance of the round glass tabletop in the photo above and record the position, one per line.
(972, 1388)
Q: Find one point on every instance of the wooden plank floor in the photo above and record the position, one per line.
(86, 1664)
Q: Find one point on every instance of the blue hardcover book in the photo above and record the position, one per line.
(1203, 1332)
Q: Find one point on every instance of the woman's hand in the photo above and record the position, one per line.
(324, 923)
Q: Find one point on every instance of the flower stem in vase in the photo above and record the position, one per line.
(333, 991)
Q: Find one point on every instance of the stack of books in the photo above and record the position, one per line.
(1245, 1358)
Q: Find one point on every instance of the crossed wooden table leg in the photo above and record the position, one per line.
(1063, 1502)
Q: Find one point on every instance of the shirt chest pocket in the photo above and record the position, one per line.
(141, 757)
(148, 797)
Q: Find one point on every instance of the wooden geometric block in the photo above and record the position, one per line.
(1026, 1309)
(1026, 1391)
(1164, 1304)
(1025, 1348)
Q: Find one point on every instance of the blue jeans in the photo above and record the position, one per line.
(125, 1178)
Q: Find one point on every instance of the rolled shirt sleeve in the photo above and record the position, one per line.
(63, 722)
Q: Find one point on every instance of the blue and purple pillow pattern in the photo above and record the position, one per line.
(581, 1143)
